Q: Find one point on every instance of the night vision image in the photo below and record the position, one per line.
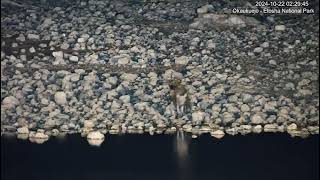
(160, 89)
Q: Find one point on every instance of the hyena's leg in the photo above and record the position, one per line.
(178, 109)
(182, 109)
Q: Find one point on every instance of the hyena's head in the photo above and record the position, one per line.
(174, 83)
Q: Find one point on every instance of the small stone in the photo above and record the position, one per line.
(247, 98)
(211, 44)
(113, 80)
(233, 99)
(304, 82)
(22, 136)
(238, 67)
(292, 127)
(47, 22)
(182, 60)
(128, 77)
(60, 98)
(81, 40)
(245, 108)
(123, 61)
(222, 77)
(14, 45)
(54, 132)
(95, 135)
(197, 116)
(258, 50)
(202, 10)
(64, 46)
(289, 86)
(265, 45)
(280, 27)
(38, 137)
(9, 102)
(313, 129)
(57, 54)
(217, 134)
(228, 117)
(270, 106)
(21, 38)
(125, 98)
(187, 127)
(234, 21)
(75, 78)
(33, 36)
(256, 119)
(233, 109)
(74, 58)
(23, 130)
(88, 124)
(32, 50)
(270, 128)
(19, 65)
(95, 138)
(257, 129)
(232, 131)
(272, 62)
(245, 129)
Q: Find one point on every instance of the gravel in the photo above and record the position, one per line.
(118, 67)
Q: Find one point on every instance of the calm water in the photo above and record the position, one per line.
(252, 157)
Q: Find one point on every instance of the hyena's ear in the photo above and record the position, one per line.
(174, 83)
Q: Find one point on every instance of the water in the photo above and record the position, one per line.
(182, 149)
(264, 156)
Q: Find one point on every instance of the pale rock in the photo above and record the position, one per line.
(9, 102)
(258, 50)
(217, 134)
(257, 129)
(245, 108)
(33, 36)
(292, 127)
(216, 108)
(228, 117)
(88, 124)
(57, 54)
(95, 138)
(256, 119)
(125, 98)
(270, 128)
(182, 60)
(60, 98)
(247, 98)
(32, 50)
(23, 130)
(273, 62)
(280, 27)
(128, 77)
(197, 116)
(74, 58)
(81, 40)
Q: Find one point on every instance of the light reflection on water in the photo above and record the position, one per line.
(124, 157)
(181, 145)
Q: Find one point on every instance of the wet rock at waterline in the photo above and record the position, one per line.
(38, 137)
(114, 73)
(95, 138)
(218, 134)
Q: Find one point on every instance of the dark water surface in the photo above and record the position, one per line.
(251, 157)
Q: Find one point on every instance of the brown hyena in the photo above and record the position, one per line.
(179, 96)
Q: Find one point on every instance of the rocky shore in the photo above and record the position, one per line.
(98, 67)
